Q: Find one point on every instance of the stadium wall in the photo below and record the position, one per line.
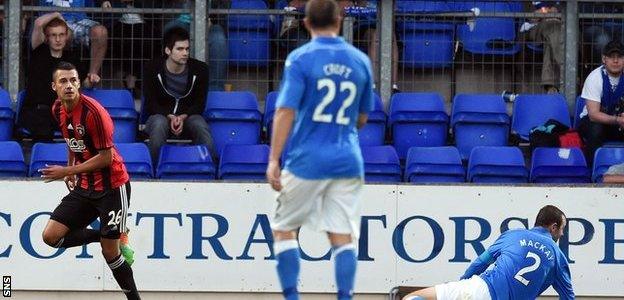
(215, 237)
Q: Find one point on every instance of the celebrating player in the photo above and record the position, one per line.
(95, 175)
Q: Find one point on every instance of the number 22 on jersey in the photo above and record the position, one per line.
(326, 83)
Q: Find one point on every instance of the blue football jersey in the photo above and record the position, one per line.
(328, 83)
(68, 16)
(526, 262)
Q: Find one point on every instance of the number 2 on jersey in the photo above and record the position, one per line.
(527, 269)
(349, 86)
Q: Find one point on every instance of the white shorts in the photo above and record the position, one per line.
(330, 205)
(473, 288)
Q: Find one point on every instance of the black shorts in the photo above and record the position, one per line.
(77, 211)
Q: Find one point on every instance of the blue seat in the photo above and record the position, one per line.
(604, 158)
(534, 110)
(427, 43)
(234, 118)
(559, 165)
(244, 162)
(374, 132)
(479, 120)
(120, 106)
(137, 159)
(434, 165)
(490, 35)
(578, 108)
(12, 160)
(381, 164)
(23, 132)
(497, 165)
(185, 163)
(417, 120)
(269, 112)
(6, 116)
(248, 35)
(47, 153)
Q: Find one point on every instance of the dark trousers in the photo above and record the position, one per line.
(596, 134)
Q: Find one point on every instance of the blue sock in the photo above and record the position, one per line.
(345, 261)
(287, 255)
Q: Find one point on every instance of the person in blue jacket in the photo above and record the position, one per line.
(526, 262)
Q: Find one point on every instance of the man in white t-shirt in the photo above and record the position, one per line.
(603, 91)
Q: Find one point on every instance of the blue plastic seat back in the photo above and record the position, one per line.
(478, 108)
(137, 159)
(490, 163)
(417, 120)
(381, 164)
(417, 106)
(434, 164)
(47, 153)
(6, 116)
(578, 109)
(234, 118)
(12, 160)
(374, 132)
(559, 165)
(248, 35)
(534, 110)
(120, 106)
(490, 35)
(185, 163)
(604, 158)
(242, 21)
(244, 162)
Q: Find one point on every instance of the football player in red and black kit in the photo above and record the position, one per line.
(95, 175)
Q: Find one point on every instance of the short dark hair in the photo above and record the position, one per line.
(322, 13)
(55, 23)
(174, 35)
(549, 215)
(65, 66)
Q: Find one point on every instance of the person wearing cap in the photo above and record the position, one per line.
(601, 118)
(549, 33)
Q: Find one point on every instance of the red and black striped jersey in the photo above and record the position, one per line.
(87, 129)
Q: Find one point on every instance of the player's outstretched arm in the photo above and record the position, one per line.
(563, 282)
(282, 124)
(479, 265)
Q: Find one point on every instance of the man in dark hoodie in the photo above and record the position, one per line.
(175, 88)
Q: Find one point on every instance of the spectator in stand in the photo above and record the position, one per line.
(217, 43)
(84, 32)
(615, 174)
(175, 88)
(49, 38)
(603, 91)
(549, 33)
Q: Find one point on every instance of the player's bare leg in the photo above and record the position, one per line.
(120, 268)
(427, 293)
(345, 262)
(57, 235)
(286, 250)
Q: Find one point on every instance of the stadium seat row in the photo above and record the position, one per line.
(415, 119)
(489, 164)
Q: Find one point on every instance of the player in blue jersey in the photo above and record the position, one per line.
(526, 262)
(325, 97)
